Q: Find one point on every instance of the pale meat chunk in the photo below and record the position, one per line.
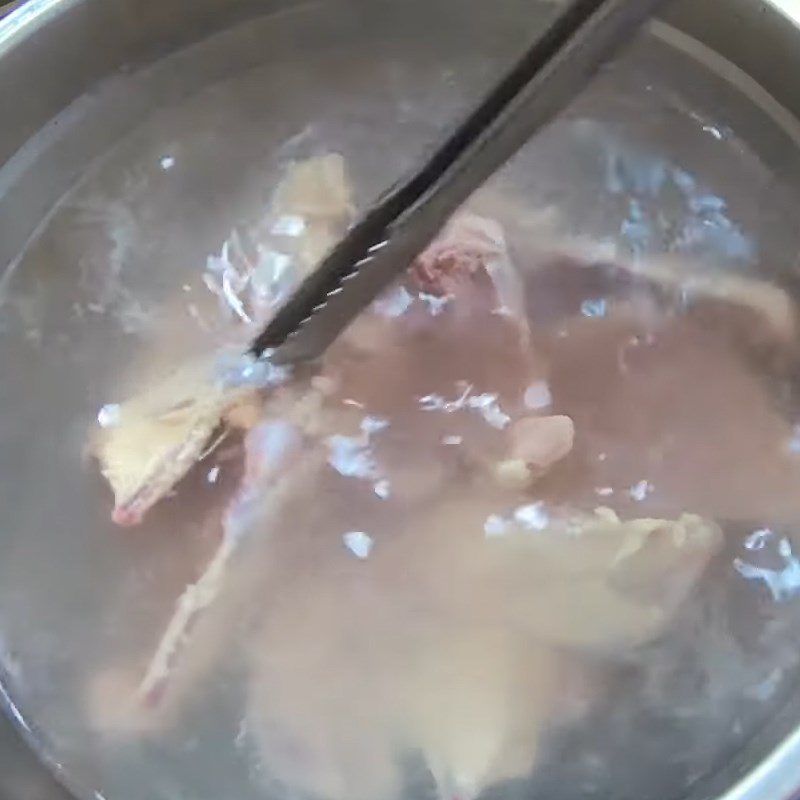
(772, 312)
(472, 699)
(471, 244)
(313, 205)
(585, 580)
(318, 188)
(157, 436)
(763, 311)
(605, 584)
(478, 704)
(457, 645)
(537, 444)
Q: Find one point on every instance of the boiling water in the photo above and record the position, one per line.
(639, 166)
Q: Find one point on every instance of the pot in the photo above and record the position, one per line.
(76, 76)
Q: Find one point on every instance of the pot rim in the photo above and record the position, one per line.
(768, 765)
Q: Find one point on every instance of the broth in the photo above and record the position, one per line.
(417, 618)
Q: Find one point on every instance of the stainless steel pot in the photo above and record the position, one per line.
(60, 62)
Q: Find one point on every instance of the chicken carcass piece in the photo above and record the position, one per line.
(474, 299)
(604, 584)
(316, 198)
(449, 639)
(455, 645)
(281, 464)
(473, 700)
(323, 700)
(156, 436)
(765, 310)
(478, 703)
(415, 462)
(589, 581)
(758, 312)
(468, 246)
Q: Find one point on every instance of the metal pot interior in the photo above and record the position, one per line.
(126, 171)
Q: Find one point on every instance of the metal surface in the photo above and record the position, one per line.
(56, 52)
(7, 8)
